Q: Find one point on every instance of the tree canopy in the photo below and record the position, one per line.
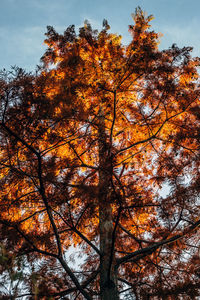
(99, 151)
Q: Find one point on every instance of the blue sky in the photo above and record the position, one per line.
(23, 23)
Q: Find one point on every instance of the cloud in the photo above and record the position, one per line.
(22, 47)
(181, 36)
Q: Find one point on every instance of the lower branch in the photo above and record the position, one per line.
(149, 250)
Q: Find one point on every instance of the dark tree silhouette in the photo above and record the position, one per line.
(86, 146)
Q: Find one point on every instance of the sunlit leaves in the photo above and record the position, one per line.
(99, 132)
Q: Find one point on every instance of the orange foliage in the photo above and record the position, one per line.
(86, 146)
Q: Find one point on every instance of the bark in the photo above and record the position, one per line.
(108, 278)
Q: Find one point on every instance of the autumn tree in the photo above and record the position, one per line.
(100, 151)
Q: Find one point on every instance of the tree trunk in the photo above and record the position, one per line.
(108, 278)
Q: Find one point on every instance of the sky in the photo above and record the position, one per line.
(23, 23)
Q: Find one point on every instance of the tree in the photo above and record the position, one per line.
(87, 146)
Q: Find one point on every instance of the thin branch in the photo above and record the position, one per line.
(31, 216)
(34, 248)
(67, 291)
(149, 250)
(133, 236)
(41, 187)
(48, 208)
(74, 278)
(74, 229)
(155, 134)
(11, 132)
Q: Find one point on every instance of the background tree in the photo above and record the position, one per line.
(87, 145)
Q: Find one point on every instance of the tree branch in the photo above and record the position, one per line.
(149, 250)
